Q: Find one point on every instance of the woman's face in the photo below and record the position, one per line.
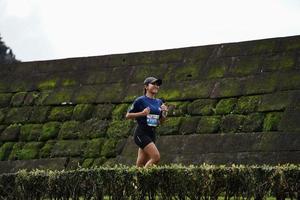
(153, 88)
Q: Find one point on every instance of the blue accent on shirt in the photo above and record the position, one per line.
(143, 102)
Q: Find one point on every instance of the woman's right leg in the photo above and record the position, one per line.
(153, 153)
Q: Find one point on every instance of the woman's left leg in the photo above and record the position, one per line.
(142, 158)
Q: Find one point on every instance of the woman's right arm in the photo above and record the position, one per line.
(145, 112)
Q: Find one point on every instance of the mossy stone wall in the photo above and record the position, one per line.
(73, 109)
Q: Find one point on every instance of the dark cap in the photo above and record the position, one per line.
(152, 80)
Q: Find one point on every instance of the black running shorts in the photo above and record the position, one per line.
(144, 136)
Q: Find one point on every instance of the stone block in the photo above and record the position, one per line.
(5, 150)
(61, 113)
(60, 96)
(45, 151)
(83, 112)
(69, 130)
(245, 65)
(209, 124)
(120, 111)
(5, 99)
(227, 87)
(18, 99)
(30, 132)
(274, 102)
(93, 148)
(3, 112)
(177, 108)
(120, 128)
(43, 164)
(189, 125)
(225, 106)
(247, 104)
(86, 94)
(260, 84)
(49, 131)
(18, 115)
(170, 126)
(111, 93)
(103, 111)
(30, 151)
(14, 154)
(30, 98)
(11, 133)
(93, 128)
(68, 148)
(232, 123)
(253, 122)
(39, 114)
(271, 121)
(202, 107)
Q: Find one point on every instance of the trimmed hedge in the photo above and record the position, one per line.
(160, 182)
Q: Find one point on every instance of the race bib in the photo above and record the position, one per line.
(152, 120)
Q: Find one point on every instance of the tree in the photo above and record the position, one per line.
(6, 54)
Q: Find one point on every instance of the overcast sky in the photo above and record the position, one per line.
(53, 29)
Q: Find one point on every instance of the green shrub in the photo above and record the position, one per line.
(159, 182)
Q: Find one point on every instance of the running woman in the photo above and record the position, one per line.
(149, 113)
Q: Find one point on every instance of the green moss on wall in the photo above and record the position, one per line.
(170, 126)
(209, 124)
(274, 102)
(247, 104)
(5, 150)
(103, 111)
(61, 113)
(259, 84)
(114, 92)
(189, 125)
(246, 65)
(93, 148)
(50, 131)
(271, 121)
(69, 130)
(109, 148)
(11, 133)
(69, 148)
(99, 161)
(225, 106)
(18, 98)
(217, 68)
(60, 96)
(201, 107)
(47, 84)
(39, 114)
(120, 111)
(68, 82)
(86, 94)
(87, 163)
(83, 112)
(120, 128)
(30, 132)
(14, 154)
(45, 151)
(93, 128)
(30, 151)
